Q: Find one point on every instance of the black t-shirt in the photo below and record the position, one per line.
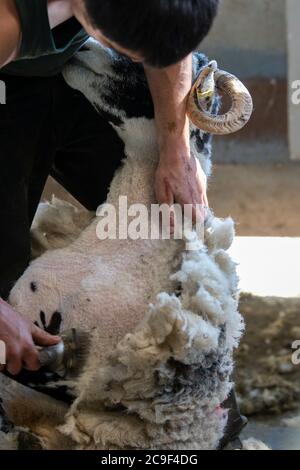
(43, 51)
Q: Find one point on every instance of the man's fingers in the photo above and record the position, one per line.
(14, 363)
(42, 338)
(164, 194)
(169, 193)
(31, 359)
(198, 214)
(203, 207)
(159, 191)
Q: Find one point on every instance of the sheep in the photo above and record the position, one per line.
(56, 224)
(163, 320)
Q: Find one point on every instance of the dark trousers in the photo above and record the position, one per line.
(47, 128)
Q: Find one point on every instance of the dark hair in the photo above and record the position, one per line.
(163, 31)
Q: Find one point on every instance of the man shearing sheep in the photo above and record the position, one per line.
(48, 128)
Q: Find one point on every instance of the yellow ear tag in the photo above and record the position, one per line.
(204, 94)
(206, 88)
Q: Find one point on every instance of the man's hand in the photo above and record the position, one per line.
(20, 337)
(180, 178)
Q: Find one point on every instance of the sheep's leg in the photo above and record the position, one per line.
(43, 382)
(5, 423)
(28, 441)
(24, 439)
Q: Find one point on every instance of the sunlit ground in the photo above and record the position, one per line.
(268, 266)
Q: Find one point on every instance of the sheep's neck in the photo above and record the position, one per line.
(135, 182)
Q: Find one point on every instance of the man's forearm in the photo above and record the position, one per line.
(169, 88)
(179, 177)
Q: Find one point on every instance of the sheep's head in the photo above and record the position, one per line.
(118, 89)
(115, 85)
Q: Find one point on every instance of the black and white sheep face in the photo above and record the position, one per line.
(118, 89)
(116, 86)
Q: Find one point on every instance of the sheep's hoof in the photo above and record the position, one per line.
(28, 441)
(25, 439)
(231, 440)
(236, 423)
(234, 444)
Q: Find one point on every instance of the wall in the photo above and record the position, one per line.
(249, 37)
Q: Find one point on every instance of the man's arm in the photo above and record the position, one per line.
(179, 177)
(10, 31)
(17, 332)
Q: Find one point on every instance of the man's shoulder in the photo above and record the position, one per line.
(10, 30)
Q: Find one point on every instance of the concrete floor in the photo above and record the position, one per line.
(274, 433)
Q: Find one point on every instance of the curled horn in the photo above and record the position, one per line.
(241, 102)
